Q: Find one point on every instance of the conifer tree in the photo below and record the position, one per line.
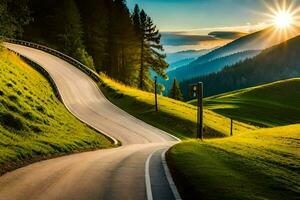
(69, 32)
(95, 19)
(13, 16)
(121, 44)
(175, 92)
(150, 49)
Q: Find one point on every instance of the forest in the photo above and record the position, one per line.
(102, 34)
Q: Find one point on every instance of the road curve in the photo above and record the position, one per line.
(105, 174)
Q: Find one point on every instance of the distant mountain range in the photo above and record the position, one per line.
(185, 73)
(276, 63)
(256, 41)
(240, 49)
(183, 55)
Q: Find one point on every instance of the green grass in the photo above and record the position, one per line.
(270, 105)
(33, 123)
(263, 164)
(175, 117)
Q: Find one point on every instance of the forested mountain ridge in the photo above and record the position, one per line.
(240, 49)
(273, 64)
(183, 73)
(255, 41)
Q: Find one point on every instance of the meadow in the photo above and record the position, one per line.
(175, 117)
(270, 105)
(262, 164)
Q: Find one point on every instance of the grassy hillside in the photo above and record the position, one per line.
(263, 164)
(268, 105)
(175, 117)
(33, 123)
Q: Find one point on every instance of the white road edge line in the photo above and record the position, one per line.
(115, 141)
(169, 177)
(147, 178)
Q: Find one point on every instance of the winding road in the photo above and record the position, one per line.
(119, 173)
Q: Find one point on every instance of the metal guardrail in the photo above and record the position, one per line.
(56, 53)
(45, 73)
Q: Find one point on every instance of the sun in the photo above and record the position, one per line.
(283, 19)
(283, 14)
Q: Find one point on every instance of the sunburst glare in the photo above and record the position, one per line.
(283, 14)
(283, 19)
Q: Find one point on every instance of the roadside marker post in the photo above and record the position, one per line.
(196, 90)
(155, 85)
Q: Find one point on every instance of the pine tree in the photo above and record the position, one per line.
(13, 16)
(175, 92)
(69, 33)
(121, 44)
(150, 48)
(95, 18)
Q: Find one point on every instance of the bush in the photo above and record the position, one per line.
(13, 98)
(35, 129)
(40, 109)
(29, 116)
(9, 120)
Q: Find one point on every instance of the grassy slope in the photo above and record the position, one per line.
(33, 123)
(175, 117)
(263, 164)
(268, 105)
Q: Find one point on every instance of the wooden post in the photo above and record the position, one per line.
(156, 104)
(200, 111)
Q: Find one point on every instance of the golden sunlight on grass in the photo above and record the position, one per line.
(175, 117)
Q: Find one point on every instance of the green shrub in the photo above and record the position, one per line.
(13, 98)
(29, 116)
(12, 121)
(40, 109)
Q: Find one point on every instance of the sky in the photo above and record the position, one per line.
(206, 15)
(175, 18)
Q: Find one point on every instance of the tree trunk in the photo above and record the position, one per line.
(141, 85)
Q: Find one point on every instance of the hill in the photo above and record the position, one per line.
(175, 117)
(262, 164)
(190, 71)
(182, 55)
(276, 63)
(34, 124)
(236, 51)
(274, 104)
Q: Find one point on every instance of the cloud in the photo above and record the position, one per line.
(178, 39)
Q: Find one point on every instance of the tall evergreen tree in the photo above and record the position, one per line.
(175, 92)
(95, 18)
(121, 44)
(69, 33)
(13, 16)
(151, 56)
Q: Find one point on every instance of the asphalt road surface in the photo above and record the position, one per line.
(117, 173)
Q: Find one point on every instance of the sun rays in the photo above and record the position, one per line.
(284, 17)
